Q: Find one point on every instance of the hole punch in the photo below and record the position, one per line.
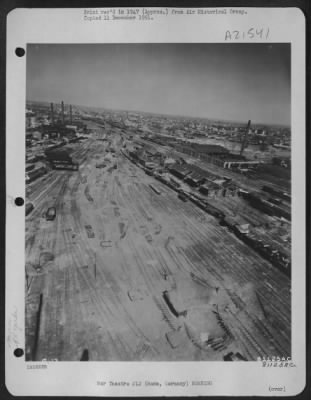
(19, 201)
(18, 352)
(19, 51)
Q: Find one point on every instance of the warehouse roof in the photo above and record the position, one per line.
(181, 169)
(195, 177)
(210, 186)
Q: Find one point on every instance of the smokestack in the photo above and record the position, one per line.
(52, 113)
(63, 113)
(244, 141)
(70, 114)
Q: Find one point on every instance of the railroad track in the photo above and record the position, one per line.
(201, 250)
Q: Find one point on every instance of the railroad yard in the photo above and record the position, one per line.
(128, 271)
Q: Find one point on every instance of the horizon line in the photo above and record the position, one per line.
(164, 114)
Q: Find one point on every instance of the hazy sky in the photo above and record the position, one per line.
(221, 81)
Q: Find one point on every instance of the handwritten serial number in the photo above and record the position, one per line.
(251, 33)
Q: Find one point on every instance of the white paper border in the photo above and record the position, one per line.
(79, 379)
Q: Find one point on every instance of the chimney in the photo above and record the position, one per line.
(70, 114)
(63, 114)
(52, 113)
(244, 140)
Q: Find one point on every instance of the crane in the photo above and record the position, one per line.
(244, 141)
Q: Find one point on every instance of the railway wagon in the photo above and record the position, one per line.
(50, 214)
(215, 212)
(282, 195)
(207, 207)
(182, 197)
(29, 208)
(35, 173)
(267, 207)
(156, 190)
(267, 251)
(277, 258)
(65, 165)
(61, 159)
(234, 357)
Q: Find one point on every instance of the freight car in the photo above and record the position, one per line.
(234, 357)
(35, 173)
(278, 193)
(215, 212)
(267, 207)
(148, 172)
(29, 208)
(157, 191)
(276, 257)
(182, 197)
(50, 214)
(61, 159)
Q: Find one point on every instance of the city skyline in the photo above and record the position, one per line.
(95, 109)
(208, 81)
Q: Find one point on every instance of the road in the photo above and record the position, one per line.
(104, 294)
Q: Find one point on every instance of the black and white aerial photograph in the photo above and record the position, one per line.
(158, 202)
